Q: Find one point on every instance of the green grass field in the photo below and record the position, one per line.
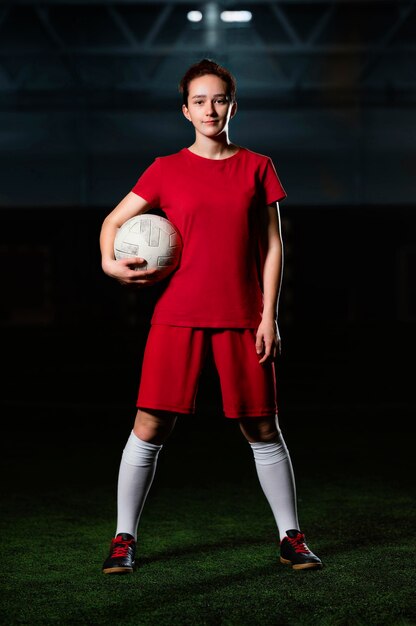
(208, 552)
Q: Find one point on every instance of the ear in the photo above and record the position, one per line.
(233, 109)
(186, 112)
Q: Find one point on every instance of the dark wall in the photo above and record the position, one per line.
(347, 265)
(73, 338)
(344, 155)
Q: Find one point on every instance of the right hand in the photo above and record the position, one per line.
(128, 272)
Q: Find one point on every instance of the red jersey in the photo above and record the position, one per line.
(216, 205)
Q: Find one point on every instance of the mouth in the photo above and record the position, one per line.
(211, 122)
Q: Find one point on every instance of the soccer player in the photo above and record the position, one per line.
(223, 296)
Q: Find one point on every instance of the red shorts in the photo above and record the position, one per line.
(173, 361)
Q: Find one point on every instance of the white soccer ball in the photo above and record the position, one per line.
(152, 237)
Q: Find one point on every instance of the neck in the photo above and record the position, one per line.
(213, 148)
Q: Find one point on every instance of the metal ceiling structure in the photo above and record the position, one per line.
(130, 53)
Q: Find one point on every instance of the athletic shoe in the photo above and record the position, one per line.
(122, 554)
(295, 552)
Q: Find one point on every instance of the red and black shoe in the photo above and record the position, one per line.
(295, 552)
(122, 555)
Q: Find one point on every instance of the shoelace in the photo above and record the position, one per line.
(298, 543)
(121, 548)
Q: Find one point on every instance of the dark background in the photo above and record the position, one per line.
(88, 97)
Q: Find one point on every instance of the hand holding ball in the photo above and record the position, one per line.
(153, 238)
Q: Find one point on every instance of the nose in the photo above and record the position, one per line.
(210, 109)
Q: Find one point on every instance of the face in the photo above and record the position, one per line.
(209, 108)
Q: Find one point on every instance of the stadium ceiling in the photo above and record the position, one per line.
(132, 53)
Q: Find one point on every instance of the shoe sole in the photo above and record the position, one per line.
(118, 570)
(301, 565)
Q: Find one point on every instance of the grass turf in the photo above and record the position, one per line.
(207, 551)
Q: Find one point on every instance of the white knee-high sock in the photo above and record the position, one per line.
(137, 470)
(275, 472)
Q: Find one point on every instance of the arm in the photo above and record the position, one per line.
(268, 341)
(123, 269)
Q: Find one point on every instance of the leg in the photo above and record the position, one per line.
(274, 469)
(137, 470)
(138, 466)
(154, 427)
(249, 394)
(259, 429)
(171, 367)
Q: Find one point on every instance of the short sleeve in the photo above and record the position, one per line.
(273, 188)
(148, 185)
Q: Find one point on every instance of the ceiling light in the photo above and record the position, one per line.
(194, 16)
(236, 16)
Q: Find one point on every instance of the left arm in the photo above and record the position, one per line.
(268, 342)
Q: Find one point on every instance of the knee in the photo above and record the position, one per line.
(257, 430)
(153, 427)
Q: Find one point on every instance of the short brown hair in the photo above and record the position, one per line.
(207, 66)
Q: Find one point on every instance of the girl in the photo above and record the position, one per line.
(224, 296)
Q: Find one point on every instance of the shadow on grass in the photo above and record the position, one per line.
(197, 550)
